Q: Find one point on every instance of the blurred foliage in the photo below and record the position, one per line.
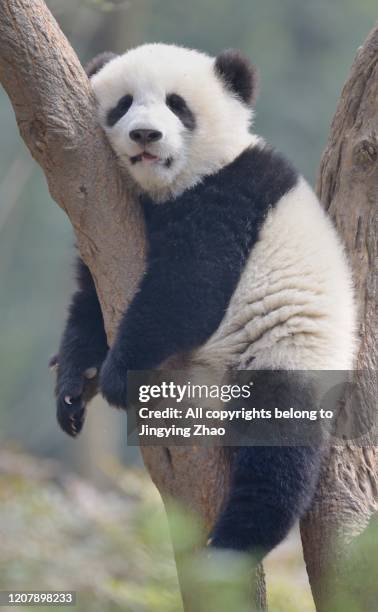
(360, 592)
(59, 532)
(112, 546)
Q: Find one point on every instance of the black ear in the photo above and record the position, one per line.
(98, 62)
(238, 74)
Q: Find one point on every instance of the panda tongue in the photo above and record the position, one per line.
(147, 155)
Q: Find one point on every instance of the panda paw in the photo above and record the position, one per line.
(70, 405)
(72, 391)
(71, 414)
(113, 381)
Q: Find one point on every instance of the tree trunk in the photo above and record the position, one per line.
(56, 115)
(347, 495)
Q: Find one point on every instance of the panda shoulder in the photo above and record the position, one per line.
(261, 174)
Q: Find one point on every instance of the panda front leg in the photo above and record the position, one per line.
(82, 350)
(176, 308)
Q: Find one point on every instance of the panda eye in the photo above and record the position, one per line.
(175, 102)
(121, 108)
(179, 107)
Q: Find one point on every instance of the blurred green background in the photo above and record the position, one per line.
(303, 49)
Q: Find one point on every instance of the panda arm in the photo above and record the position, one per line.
(82, 350)
(180, 303)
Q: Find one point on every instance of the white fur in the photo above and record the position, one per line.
(149, 73)
(293, 307)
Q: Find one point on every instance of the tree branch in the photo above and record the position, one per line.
(347, 495)
(56, 115)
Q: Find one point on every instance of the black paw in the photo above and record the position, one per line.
(70, 414)
(72, 391)
(228, 536)
(70, 404)
(113, 381)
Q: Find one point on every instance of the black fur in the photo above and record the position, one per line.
(271, 488)
(198, 246)
(238, 74)
(180, 108)
(121, 108)
(98, 62)
(83, 346)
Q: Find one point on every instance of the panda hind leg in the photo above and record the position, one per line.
(273, 486)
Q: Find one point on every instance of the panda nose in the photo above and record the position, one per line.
(143, 137)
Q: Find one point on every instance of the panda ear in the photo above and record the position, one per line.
(98, 62)
(237, 74)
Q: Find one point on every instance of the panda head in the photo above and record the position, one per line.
(174, 115)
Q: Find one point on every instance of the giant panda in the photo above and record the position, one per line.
(244, 269)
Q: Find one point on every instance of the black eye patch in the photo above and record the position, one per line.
(116, 113)
(179, 107)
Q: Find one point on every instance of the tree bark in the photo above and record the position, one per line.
(56, 115)
(347, 495)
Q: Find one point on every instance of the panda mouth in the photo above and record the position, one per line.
(145, 156)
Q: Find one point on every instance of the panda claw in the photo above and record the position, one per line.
(68, 400)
